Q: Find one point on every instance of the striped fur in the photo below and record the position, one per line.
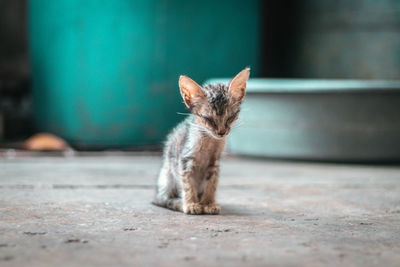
(188, 178)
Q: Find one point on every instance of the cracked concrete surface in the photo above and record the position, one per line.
(96, 211)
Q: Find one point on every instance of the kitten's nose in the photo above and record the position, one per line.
(222, 133)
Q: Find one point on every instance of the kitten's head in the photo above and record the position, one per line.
(215, 106)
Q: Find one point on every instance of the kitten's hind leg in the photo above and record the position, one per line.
(169, 203)
(165, 196)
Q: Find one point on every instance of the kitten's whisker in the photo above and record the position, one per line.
(238, 124)
(195, 125)
(198, 127)
(186, 114)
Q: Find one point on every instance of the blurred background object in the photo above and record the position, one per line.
(330, 120)
(16, 113)
(45, 142)
(356, 39)
(104, 75)
(13, 36)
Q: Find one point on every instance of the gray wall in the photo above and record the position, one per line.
(347, 39)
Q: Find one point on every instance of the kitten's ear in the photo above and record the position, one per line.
(191, 92)
(237, 87)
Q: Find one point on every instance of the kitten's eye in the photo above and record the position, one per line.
(231, 118)
(210, 121)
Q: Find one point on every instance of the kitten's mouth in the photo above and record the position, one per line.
(218, 136)
(215, 135)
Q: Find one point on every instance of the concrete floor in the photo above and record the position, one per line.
(96, 211)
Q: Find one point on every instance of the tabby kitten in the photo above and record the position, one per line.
(189, 176)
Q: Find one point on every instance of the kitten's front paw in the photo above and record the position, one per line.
(212, 209)
(192, 208)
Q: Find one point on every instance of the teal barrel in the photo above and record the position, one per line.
(105, 72)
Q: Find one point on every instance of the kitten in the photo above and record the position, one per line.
(189, 176)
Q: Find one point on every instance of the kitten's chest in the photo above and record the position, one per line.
(206, 155)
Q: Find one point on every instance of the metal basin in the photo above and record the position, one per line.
(330, 120)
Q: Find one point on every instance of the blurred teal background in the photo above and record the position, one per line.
(105, 72)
